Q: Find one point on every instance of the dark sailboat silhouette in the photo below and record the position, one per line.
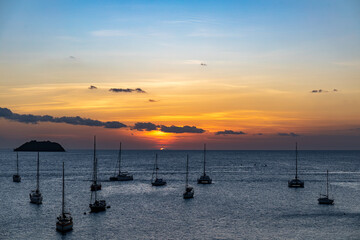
(35, 195)
(204, 179)
(324, 198)
(122, 175)
(64, 221)
(16, 177)
(157, 181)
(296, 182)
(97, 205)
(95, 186)
(189, 191)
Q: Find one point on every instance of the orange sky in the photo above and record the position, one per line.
(233, 67)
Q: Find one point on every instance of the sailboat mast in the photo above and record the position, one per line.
(327, 183)
(296, 157)
(204, 157)
(94, 170)
(119, 159)
(38, 173)
(156, 167)
(187, 171)
(63, 192)
(17, 163)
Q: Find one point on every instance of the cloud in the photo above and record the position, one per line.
(323, 91)
(152, 100)
(229, 132)
(92, 87)
(110, 33)
(258, 134)
(126, 90)
(34, 119)
(184, 129)
(145, 126)
(289, 134)
(203, 64)
(72, 57)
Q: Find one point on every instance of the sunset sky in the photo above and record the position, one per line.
(177, 74)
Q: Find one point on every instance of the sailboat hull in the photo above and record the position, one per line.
(95, 187)
(98, 206)
(36, 197)
(326, 201)
(64, 227)
(204, 180)
(122, 177)
(296, 183)
(64, 223)
(16, 178)
(189, 193)
(158, 182)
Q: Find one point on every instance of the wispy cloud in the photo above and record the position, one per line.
(110, 33)
(288, 134)
(92, 87)
(126, 90)
(229, 132)
(323, 91)
(152, 100)
(193, 61)
(34, 119)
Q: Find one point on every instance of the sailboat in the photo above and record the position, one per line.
(95, 186)
(157, 181)
(35, 195)
(324, 199)
(64, 221)
(42, 146)
(296, 183)
(122, 175)
(204, 179)
(97, 205)
(16, 177)
(189, 191)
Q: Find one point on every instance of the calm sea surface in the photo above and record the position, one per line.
(249, 197)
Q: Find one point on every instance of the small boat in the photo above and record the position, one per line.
(16, 177)
(122, 175)
(204, 179)
(189, 191)
(64, 221)
(97, 205)
(35, 195)
(157, 181)
(324, 199)
(296, 183)
(95, 186)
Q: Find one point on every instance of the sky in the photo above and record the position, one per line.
(237, 75)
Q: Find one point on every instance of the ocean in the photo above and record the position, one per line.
(249, 197)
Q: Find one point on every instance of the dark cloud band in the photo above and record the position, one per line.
(148, 126)
(126, 90)
(229, 132)
(34, 119)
